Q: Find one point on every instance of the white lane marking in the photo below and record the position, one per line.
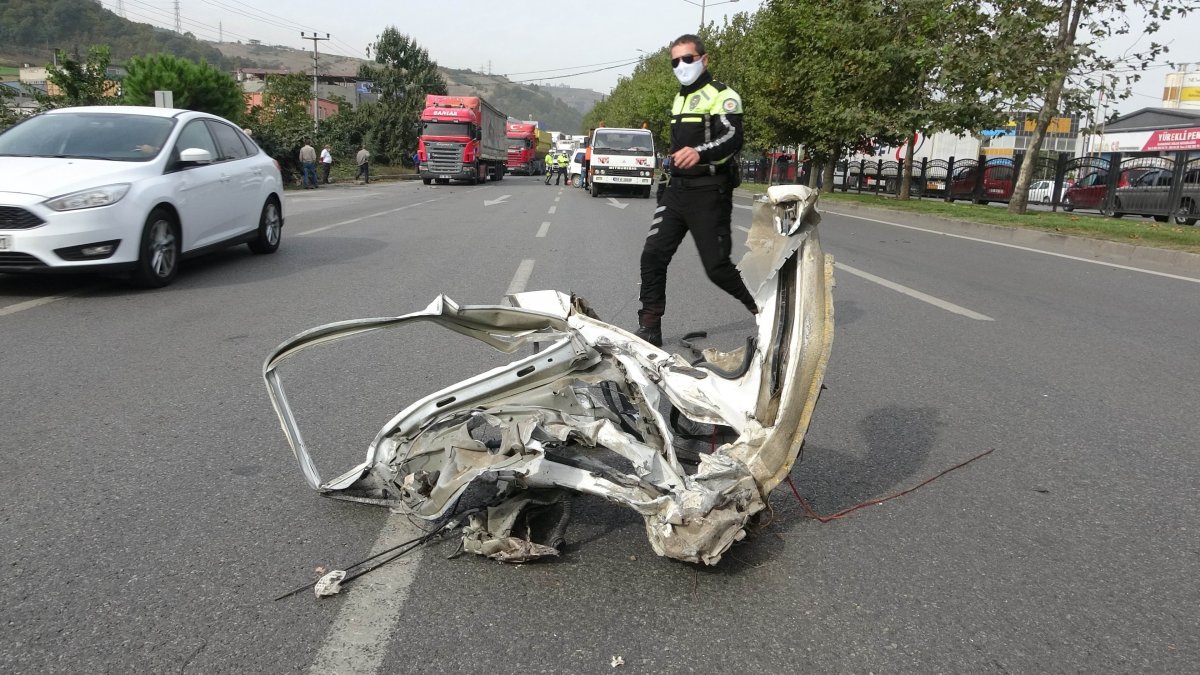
(1023, 248)
(911, 292)
(358, 640)
(553, 209)
(743, 206)
(744, 229)
(612, 201)
(556, 199)
(521, 278)
(362, 218)
(38, 302)
(498, 200)
(354, 195)
(544, 229)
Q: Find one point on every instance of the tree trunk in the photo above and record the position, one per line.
(812, 173)
(1072, 11)
(827, 172)
(906, 179)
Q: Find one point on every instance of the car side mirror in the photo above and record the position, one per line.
(195, 156)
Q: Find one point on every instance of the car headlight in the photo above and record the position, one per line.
(90, 198)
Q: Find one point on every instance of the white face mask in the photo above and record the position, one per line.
(688, 73)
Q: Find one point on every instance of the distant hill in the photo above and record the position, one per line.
(30, 30)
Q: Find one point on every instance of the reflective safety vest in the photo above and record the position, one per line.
(563, 161)
(549, 161)
(698, 120)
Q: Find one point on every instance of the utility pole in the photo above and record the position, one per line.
(121, 8)
(315, 39)
(178, 23)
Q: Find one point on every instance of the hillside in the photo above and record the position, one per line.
(31, 29)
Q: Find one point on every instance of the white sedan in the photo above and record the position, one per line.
(1040, 191)
(132, 188)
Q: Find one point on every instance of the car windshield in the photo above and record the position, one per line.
(623, 144)
(120, 137)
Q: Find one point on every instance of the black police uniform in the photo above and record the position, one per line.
(706, 115)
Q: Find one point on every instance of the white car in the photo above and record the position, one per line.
(132, 188)
(575, 168)
(1040, 191)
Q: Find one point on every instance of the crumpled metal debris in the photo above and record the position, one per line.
(330, 584)
(583, 412)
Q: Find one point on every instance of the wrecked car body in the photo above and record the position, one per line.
(584, 412)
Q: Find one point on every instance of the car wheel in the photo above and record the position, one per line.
(1113, 211)
(270, 229)
(595, 190)
(158, 253)
(1186, 213)
(1067, 205)
(427, 181)
(1045, 201)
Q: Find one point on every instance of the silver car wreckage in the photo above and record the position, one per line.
(585, 411)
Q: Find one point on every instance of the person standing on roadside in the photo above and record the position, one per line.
(563, 161)
(308, 165)
(326, 164)
(363, 158)
(706, 133)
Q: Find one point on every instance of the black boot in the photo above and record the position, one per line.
(650, 326)
(651, 334)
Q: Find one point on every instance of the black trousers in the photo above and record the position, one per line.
(706, 212)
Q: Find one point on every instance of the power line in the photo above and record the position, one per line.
(556, 70)
(586, 72)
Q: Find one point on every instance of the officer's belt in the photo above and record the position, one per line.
(698, 181)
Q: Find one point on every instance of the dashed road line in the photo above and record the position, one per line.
(38, 302)
(1022, 248)
(521, 278)
(552, 210)
(362, 218)
(913, 293)
(545, 228)
(358, 640)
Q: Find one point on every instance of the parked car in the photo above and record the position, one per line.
(998, 181)
(1088, 191)
(575, 168)
(132, 188)
(1148, 195)
(1042, 191)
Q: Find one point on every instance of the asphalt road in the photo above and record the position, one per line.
(152, 511)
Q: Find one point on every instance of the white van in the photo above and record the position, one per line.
(622, 161)
(575, 168)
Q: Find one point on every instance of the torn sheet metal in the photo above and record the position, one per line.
(583, 412)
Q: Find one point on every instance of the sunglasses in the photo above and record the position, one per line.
(686, 58)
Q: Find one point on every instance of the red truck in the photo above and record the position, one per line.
(527, 148)
(462, 138)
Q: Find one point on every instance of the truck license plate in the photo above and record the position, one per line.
(5, 242)
(443, 177)
(622, 179)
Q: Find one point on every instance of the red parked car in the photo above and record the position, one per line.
(1088, 193)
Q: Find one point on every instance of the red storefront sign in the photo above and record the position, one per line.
(1174, 139)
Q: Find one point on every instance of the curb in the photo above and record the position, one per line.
(1161, 259)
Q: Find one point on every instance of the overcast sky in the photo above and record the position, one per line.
(523, 40)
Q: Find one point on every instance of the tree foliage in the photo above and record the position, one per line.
(1062, 47)
(76, 80)
(38, 27)
(402, 75)
(283, 121)
(195, 86)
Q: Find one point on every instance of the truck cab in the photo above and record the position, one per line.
(623, 160)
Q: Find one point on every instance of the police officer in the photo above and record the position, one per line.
(549, 162)
(563, 160)
(706, 133)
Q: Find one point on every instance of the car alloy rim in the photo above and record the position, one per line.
(162, 248)
(271, 225)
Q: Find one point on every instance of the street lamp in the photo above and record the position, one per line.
(703, 3)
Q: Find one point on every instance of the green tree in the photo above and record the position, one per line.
(195, 86)
(403, 75)
(80, 81)
(1062, 45)
(283, 121)
(8, 116)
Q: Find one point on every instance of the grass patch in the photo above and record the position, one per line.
(1130, 229)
